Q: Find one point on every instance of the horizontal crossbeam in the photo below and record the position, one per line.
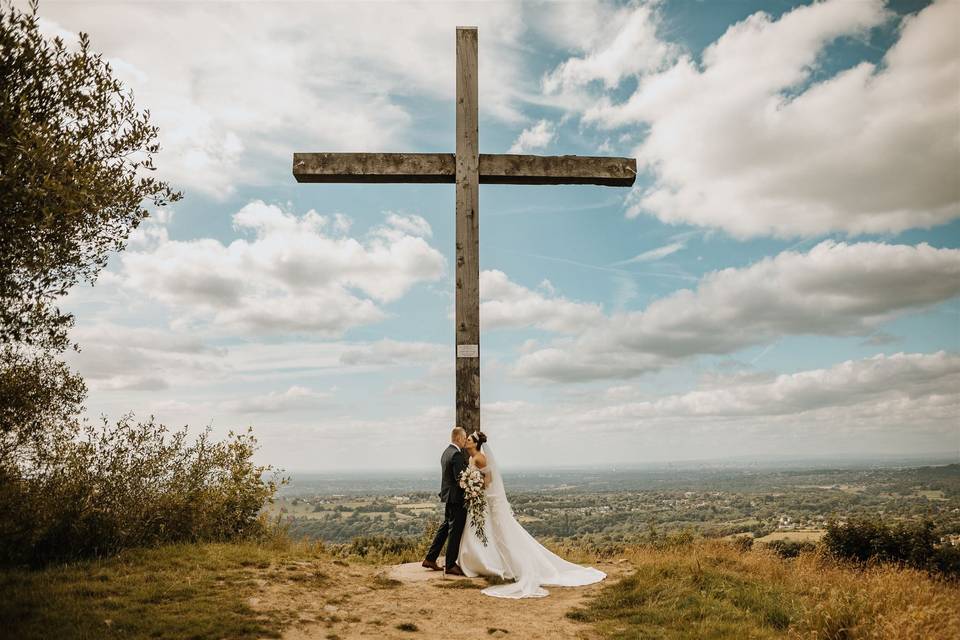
(441, 167)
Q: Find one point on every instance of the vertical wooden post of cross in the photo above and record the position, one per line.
(467, 168)
(468, 234)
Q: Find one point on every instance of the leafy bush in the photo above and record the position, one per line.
(130, 484)
(909, 543)
(791, 548)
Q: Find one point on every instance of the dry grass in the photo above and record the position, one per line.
(457, 584)
(381, 581)
(702, 589)
(709, 589)
(798, 535)
(174, 591)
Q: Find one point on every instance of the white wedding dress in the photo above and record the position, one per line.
(513, 554)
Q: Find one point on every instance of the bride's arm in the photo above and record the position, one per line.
(481, 461)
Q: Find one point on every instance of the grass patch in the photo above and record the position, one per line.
(381, 581)
(456, 584)
(196, 591)
(709, 589)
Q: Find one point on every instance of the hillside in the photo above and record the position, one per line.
(704, 589)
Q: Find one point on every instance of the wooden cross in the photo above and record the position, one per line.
(467, 168)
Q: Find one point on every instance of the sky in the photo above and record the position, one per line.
(783, 278)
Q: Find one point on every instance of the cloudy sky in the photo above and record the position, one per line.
(783, 278)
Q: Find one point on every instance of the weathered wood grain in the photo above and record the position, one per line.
(468, 230)
(373, 167)
(526, 169)
(441, 168)
(467, 169)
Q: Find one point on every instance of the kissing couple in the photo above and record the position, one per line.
(500, 546)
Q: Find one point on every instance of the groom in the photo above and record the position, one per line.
(452, 463)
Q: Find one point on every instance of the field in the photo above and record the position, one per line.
(795, 536)
(604, 507)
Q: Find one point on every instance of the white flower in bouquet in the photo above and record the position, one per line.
(471, 481)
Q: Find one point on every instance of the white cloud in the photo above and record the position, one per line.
(144, 338)
(416, 387)
(121, 358)
(534, 138)
(231, 87)
(633, 49)
(880, 380)
(835, 289)
(144, 382)
(413, 224)
(114, 357)
(342, 223)
(392, 352)
(506, 304)
(580, 26)
(655, 254)
(897, 404)
(296, 398)
(292, 277)
(745, 141)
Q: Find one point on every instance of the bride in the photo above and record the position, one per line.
(511, 553)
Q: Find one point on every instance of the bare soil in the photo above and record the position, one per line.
(324, 599)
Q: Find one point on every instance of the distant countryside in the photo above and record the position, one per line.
(600, 507)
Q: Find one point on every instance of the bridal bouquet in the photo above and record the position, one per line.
(471, 481)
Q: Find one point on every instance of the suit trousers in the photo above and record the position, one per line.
(450, 531)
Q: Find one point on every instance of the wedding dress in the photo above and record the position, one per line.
(513, 554)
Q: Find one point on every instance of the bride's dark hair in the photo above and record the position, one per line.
(479, 437)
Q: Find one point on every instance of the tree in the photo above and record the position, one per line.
(75, 163)
(41, 401)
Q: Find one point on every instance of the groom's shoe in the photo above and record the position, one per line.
(453, 571)
(430, 564)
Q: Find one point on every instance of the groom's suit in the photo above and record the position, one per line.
(452, 463)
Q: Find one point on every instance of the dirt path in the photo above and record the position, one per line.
(324, 600)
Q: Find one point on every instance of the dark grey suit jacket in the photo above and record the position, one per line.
(452, 463)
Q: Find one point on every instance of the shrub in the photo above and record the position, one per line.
(670, 540)
(375, 547)
(791, 548)
(946, 560)
(909, 543)
(131, 484)
(743, 543)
